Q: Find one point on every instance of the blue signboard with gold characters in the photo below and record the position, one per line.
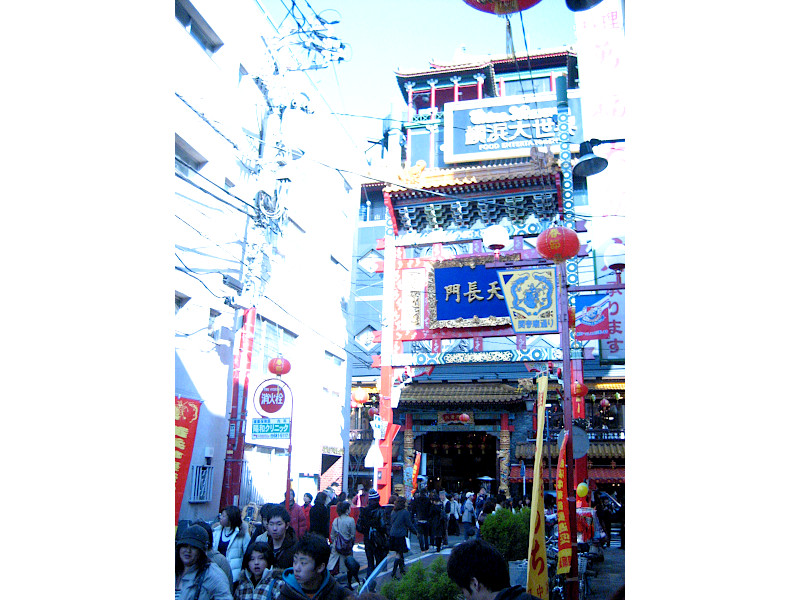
(464, 293)
(530, 295)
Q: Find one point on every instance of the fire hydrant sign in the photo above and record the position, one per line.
(269, 413)
(271, 429)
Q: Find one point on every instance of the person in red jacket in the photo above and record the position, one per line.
(297, 516)
(307, 500)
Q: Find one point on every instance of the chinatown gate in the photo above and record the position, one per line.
(450, 360)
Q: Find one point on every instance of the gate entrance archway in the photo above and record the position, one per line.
(456, 459)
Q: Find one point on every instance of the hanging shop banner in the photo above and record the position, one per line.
(415, 472)
(269, 418)
(464, 293)
(591, 317)
(537, 581)
(187, 413)
(564, 544)
(505, 127)
(613, 348)
(531, 299)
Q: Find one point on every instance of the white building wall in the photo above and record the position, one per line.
(301, 286)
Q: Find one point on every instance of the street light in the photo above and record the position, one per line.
(588, 163)
(614, 258)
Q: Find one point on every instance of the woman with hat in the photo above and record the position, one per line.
(196, 577)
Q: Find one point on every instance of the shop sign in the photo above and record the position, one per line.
(505, 127)
(445, 418)
(591, 317)
(464, 293)
(271, 429)
(530, 297)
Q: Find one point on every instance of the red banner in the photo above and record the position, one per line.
(564, 544)
(187, 413)
(415, 472)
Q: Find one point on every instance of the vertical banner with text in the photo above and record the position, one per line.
(537, 581)
(564, 543)
(415, 472)
(187, 413)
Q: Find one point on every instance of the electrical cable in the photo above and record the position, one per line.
(177, 268)
(202, 189)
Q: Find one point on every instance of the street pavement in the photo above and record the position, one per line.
(610, 573)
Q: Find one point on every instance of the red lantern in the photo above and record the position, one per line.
(279, 366)
(558, 244)
(578, 389)
(571, 315)
(373, 411)
(463, 417)
(604, 403)
(360, 395)
(502, 7)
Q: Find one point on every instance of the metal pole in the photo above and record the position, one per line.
(563, 320)
(289, 466)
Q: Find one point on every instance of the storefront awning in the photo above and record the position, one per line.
(610, 450)
(598, 475)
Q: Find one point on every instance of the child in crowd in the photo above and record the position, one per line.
(254, 579)
(309, 577)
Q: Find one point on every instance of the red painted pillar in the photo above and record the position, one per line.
(234, 453)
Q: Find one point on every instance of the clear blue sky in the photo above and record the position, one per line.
(386, 35)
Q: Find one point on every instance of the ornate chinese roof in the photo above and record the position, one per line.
(597, 449)
(458, 394)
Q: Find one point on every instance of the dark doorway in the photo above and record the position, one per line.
(456, 460)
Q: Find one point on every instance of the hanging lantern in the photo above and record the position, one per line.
(582, 490)
(373, 411)
(578, 389)
(604, 403)
(360, 395)
(501, 7)
(571, 315)
(463, 417)
(279, 366)
(558, 244)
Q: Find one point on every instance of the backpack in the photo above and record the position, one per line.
(377, 533)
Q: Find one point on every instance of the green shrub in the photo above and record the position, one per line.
(508, 532)
(420, 583)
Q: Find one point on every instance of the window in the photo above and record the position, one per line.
(514, 88)
(188, 16)
(334, 359)
(202, 477)
(187, 159)
(270, 340)
(180, 301)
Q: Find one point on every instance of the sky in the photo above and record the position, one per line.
(385, 36)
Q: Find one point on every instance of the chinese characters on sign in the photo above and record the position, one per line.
(187, 413)
(505, 127)
(530, 295)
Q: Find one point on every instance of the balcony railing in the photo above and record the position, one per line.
(361, 434)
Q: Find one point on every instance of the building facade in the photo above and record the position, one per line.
(435, 349)
(260, 233)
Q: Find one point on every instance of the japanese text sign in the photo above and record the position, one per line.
(531, 299)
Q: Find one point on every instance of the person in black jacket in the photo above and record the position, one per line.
(419, 512)
(372, 516)
(481, 572)
(319, 516)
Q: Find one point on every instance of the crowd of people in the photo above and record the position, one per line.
(296, 552)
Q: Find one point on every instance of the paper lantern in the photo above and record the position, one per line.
(604, 403)
(373, 411)
(558, 244)
(578, 389)
(360, 395)
(501, 7)
(463, 417)
(279, 366)
(582, 490)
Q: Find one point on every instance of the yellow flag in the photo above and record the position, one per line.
(537, 583)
